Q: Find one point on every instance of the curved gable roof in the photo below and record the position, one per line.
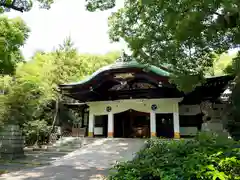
(122, 65)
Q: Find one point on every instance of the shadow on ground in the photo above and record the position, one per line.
(60, 172)
(91, 162)
(31, 159)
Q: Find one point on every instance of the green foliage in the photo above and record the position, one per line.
(207, 157)
(32, 93)
(232, 117)
(221, 65)
(186, 35)
(93, 5)
(187, 82)
(23, 5)
(37, 130)
(13, 34)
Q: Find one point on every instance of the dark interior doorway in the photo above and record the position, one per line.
(164, 125)
(102, 122)
(191, 121)
(132, 124)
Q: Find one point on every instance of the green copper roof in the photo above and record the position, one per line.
(120, 65)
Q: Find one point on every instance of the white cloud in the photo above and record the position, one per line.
(67, 18)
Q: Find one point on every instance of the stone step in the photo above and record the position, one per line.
(74, 142)
(58, 147)
(42, 153)
(62, 149)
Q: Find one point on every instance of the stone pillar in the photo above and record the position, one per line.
(11, 142)
(90, 125)
(176, 125)
(110, 124)
(153, 123)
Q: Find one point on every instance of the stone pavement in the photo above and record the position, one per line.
(91, 162)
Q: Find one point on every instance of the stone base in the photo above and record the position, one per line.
(11, 142)
(215, 127)
(176, 135)
(153, 134)
(90, 134)
(12, 156)
(110, 134)
(212, 126)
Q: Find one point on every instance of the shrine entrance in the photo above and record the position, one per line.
(131, 124)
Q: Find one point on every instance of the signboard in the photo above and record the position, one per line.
(123, 75)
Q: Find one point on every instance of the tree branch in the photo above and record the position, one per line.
(11, 6)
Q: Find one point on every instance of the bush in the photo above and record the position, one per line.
(206, 157)
(36, 131)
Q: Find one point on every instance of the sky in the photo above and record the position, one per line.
(88, 30)
(49, 28)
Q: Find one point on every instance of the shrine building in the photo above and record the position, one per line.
(128, 99)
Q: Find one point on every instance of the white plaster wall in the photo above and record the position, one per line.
(190, 131)
(143, 105)
(212, 126)
(189, 110)
(164, 106)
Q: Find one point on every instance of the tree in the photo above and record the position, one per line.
(93, 5)
(13, 34)
(221, 64)
(185, 35)
(22, 5)
(26, 5)
(31, 95)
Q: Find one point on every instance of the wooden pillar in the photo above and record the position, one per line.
(153, 123)
(176, 125)
(90, 125)
(110, 124)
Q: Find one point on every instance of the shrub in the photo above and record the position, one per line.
(206, 157)
(36, 131)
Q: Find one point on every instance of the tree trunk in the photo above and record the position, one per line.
(55, 116)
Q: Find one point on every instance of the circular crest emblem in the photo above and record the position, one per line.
(154, 107)
(108, 108)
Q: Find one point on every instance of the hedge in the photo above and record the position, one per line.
(207, 157)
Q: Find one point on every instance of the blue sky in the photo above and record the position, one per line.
(68, 18)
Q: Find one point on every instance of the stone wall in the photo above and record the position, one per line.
(11, 142)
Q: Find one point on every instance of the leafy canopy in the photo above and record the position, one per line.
(31, 95)
(184, 35)
(13, 34)
(23, 5)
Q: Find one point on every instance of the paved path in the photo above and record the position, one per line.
(91, 162)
